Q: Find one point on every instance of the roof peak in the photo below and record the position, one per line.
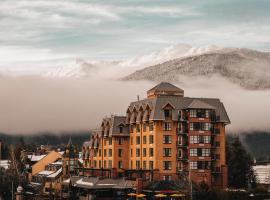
(165, 89)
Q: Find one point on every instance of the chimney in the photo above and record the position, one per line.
(138, 98)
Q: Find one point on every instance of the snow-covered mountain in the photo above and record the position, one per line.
(116, 69)
(248, 68)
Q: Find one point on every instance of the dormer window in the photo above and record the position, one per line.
(168, 113)
(120, 129)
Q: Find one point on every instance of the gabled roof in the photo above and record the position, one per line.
(198, 104)
(166, 87)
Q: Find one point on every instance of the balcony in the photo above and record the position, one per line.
(181, 170)
(182, 158)
(182, 145)
(182, 118)
(215, 131)
(182, 131)
(215, 118)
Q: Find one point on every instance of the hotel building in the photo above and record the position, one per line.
(166, 136)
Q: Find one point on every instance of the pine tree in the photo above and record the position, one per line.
(240, 173)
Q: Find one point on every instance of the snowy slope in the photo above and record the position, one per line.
(250, 69)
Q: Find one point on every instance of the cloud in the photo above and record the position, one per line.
(31, 104)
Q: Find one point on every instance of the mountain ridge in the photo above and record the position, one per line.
(245, 67)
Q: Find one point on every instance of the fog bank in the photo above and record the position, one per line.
(30, 104)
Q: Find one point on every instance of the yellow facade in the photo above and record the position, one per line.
(166, 136)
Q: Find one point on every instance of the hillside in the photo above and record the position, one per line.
(248, 68)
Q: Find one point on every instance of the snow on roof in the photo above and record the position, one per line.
(81, 182)
(35, 158)
(45, 172)
(61, 152)
(57, 163)
(262, 173)
(4, 163)
(80, 160)
(55, 174)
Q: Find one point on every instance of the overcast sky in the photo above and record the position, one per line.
(59, 29)
(37, 34)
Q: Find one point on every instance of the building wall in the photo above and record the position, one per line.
(40, 165)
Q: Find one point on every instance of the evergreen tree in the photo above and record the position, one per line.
(240, 173)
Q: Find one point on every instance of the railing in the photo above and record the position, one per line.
(182, 158)
(183, 131)
(182, 118)
(183, 145)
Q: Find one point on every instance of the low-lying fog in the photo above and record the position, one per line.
(30, 104)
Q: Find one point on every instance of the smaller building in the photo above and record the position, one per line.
(50, 178)
(262, 173)
(93, 187)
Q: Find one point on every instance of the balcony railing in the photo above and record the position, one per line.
(182, 145)
(180, 169)
(182, 118)
(183, 131)
(214, 118)
(182, 158)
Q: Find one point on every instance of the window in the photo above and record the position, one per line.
(193, 152)
(151, 152)
(110, 141)
(95, 164)
(167, 139)
(144, 127)
(205, 152)
(99, 163)
(151, 126)
(151, 139)
(120, 129)
(151, 165)
(206, 139)
(179, 153)
(217, 143)
(131, 152)
(105, 152)
(203, 165)
(207, 113)
(201, 113)
(193, 165)
(131, 140)
(167, 178)
(144, 164)
(167, 152)
(193, 113)
(120, 141)
(206, 126)
(120, 164)
(109, 164)
(179, 139)
(110, 153)
(194, 139)
(131, 164)
(168, 113)
(167, 126)
(144, 139)
(144, 152)
(138, 164)
(99, 152)
(120, 152)
(167, 165)
(138, 140)
(191, 126)
(105, 164)
(138, 129)
(138, 152)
